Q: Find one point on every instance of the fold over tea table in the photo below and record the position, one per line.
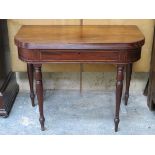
(115, 44)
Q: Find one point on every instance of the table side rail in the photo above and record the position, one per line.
(79, 56)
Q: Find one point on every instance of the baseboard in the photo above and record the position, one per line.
(8, 93)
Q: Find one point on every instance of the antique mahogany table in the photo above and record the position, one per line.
(116, 44)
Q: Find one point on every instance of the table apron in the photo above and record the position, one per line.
(79, 56)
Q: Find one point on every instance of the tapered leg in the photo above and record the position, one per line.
(39, 92)
(30, 77)
(119, 87)
(128, 79)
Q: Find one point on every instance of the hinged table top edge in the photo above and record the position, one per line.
(79, 37)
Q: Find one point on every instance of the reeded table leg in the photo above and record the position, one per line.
(119, 87)
(39, 92)
(128, 79)
(30, 77)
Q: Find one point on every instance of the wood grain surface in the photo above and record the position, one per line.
(120, 45)
(72, 37)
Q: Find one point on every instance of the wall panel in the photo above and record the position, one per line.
(18, 65)
(145, 25)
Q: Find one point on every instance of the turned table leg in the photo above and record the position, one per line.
(39, 92)
(119, 87)
(30, 77)
(128, 79)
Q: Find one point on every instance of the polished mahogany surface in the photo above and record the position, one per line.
(8, 85)
(81, 44)
(79, 37)
(116, 44)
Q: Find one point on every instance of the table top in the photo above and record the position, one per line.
(79, 37)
